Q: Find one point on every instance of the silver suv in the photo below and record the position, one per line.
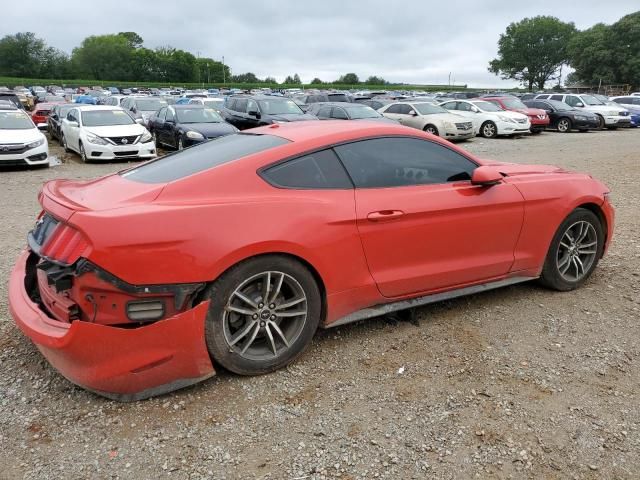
(610, 117)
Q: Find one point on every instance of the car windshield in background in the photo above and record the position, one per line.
(363, 111)
(559, 105)
(54, 99)
(150, 105)
(279, 107)
(103, 118)
(591, 100)
(429, 108)
(488, 106)
(198, 115)
(513, 103)
(337, 97)
(202, 157)
(15, 121)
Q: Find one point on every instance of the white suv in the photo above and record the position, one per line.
(21, 143)
(610, 117)
(105, 133)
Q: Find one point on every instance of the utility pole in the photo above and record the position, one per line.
(224, 79)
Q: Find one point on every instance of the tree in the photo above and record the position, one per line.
(373, 80)
(316, 81)
(21, 55)
(271, 81)
(176, 65)
(104, 57)
(295, 80)
(245, 78)
(348, 79)
(532, 50)
(135, 40)
(607, 54)
(211, 71)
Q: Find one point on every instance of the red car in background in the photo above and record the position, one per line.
(538, 118)
(40, 114)
(233, 252)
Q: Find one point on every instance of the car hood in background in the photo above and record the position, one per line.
(117, 130)
(291, 117)
(212, 129)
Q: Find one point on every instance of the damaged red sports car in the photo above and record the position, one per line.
(233, 252)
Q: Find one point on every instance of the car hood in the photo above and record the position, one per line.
(378, 119)
(213, 129)
(117, 130)
(515, 169)
(20, 136)
(511, 114)
(532, 112)
(291, 117)
(105, 193)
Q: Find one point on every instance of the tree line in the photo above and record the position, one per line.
(535, 50)
(123, 57)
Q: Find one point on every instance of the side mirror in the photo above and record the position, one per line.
(580, 104)
(486, 176)
(475, 109)
(413, 113)
(140, 121)
(254, 113)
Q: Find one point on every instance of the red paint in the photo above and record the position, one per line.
(368, 246)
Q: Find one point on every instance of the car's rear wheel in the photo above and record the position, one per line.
(263, 314)
(574, 252)
(564, 125)
(489, 130)
(432, 129)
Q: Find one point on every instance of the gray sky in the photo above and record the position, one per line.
(419, 43)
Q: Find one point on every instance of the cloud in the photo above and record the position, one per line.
(414, 42)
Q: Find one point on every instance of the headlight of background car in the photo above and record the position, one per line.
(506, 119)
(146, 137)
(35, 144)
(96, 140)
(195, 135)
(449, 125)
(580, 117)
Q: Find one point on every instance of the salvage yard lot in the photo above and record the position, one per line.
(520, 382)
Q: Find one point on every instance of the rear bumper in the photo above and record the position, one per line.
(118, 363)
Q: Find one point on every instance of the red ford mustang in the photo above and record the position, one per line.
(235, 251)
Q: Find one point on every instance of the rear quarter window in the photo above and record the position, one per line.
(202, 157)
(318, 170)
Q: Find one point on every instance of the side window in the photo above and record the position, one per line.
(571, 100)
(339, 114)
(324, 112)
(449, 105)
(393, 109)
(170, 117)
(405, 109)
(162, 114)
(400, 162)
(556, 97)
(543, 96)
(252, 106)
(463, 106)
(240, 105)
(319, 170)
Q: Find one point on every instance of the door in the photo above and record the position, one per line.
(393, 112)
(423, 225)
(252, 114)
(156, 125)
(72, 132)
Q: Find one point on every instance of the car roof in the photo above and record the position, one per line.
(189, 106)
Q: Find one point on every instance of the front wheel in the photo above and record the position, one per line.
(83, 154)
(64, 143)
(574, 252)
(601, 122)
(263, 314)
(180, 144)
(432, 129)
(564, 125)
(489, 130)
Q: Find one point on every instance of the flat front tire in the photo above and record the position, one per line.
(263, 314)
(575, 251)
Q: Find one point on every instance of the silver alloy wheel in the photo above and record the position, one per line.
(432, 130)
(577, 251)
(563, 125)
(265, 315)
(489, 130)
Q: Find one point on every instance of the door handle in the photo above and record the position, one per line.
(384, 215)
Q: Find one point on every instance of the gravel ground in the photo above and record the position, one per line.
(515, 383)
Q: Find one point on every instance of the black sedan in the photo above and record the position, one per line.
(565, 118)
(346, 111)
(180, 126)
(54, 121)
(250, 111)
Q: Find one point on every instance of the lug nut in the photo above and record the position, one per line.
(260, 305)
(272, 306)
(273, 317)
(255, 315)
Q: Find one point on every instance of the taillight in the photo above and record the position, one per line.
(65, 245)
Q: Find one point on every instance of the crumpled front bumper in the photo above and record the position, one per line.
(119, 363)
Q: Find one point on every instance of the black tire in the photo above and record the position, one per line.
(551, 272)
(83, 153)
(63, 142)
(564, 125)
(220, 320)
(536, 131)
(488, 130)
(601, 122)
(432, 129)
(180, 145)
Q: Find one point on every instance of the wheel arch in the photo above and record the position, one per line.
(597, 211)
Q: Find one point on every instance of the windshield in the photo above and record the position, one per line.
(591, 100)
(513, 103)
(15, 121)
(362, 112)
(429, 108)
(103, 118)
(488, 106)
(197, 115)
(337, 97)
(150, 105)
(279, 107)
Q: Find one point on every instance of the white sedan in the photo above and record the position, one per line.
(489, 119)
(21, 143)
(106, 133)
(430, 118)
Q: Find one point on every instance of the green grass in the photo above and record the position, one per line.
(27, 82)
